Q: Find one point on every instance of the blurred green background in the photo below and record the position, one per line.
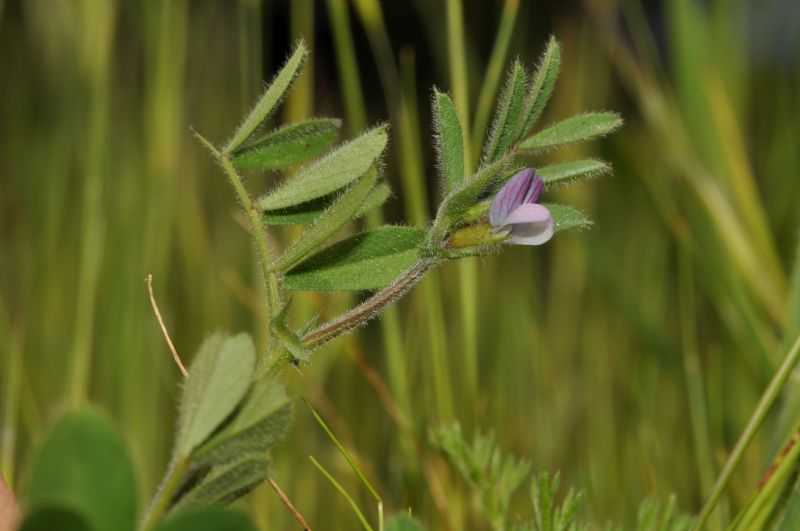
(629, 357)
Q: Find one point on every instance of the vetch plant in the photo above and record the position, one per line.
(233, 409)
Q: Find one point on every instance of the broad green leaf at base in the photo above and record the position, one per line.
(83, 467)
(219, 376)
(208, 519)
(54, 517)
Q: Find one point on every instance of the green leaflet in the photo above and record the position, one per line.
(576, 129)
(370, 260)
(224, 484)
(541, 88)
(259, 425)
(334, 171)
(342, 211)
(271, 97)
(557, 175)
(288, 146)
(567, 218)
(308, 212)
(403, 522)
(449, 138)
(208, 519)
(83, 469)
(507, 115)
(218, 380)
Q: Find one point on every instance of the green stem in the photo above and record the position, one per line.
(764, 404)
(494, 71)
(458, 68)
(256, 225)
(163, 498)
(358, 316)
(468, 271)
(356, 120)
(370, 308)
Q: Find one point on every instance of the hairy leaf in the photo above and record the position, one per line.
(567, 218)
(208, 519)
(218, 380)
(542, 87)
(261, 423)
(507, 115)
(342, 211)
(576, 129)
(226, 483)
(565, 173)
(83, 467)
(288, 146)
(271, 97)
(334, 171)
(308, 212)
(370, 260)
(449, 140)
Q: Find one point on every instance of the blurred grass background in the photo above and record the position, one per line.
(629, 357)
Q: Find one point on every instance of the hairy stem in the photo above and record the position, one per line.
(256, 225)
(371, 307)
(358, 316)
(160, 504)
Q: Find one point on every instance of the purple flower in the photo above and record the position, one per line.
(516, 214)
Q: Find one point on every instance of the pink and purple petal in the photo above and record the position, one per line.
(531, 224)
(510, 196)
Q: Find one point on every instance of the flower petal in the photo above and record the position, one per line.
(510, 196)
(535, 189)
(531, 224)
